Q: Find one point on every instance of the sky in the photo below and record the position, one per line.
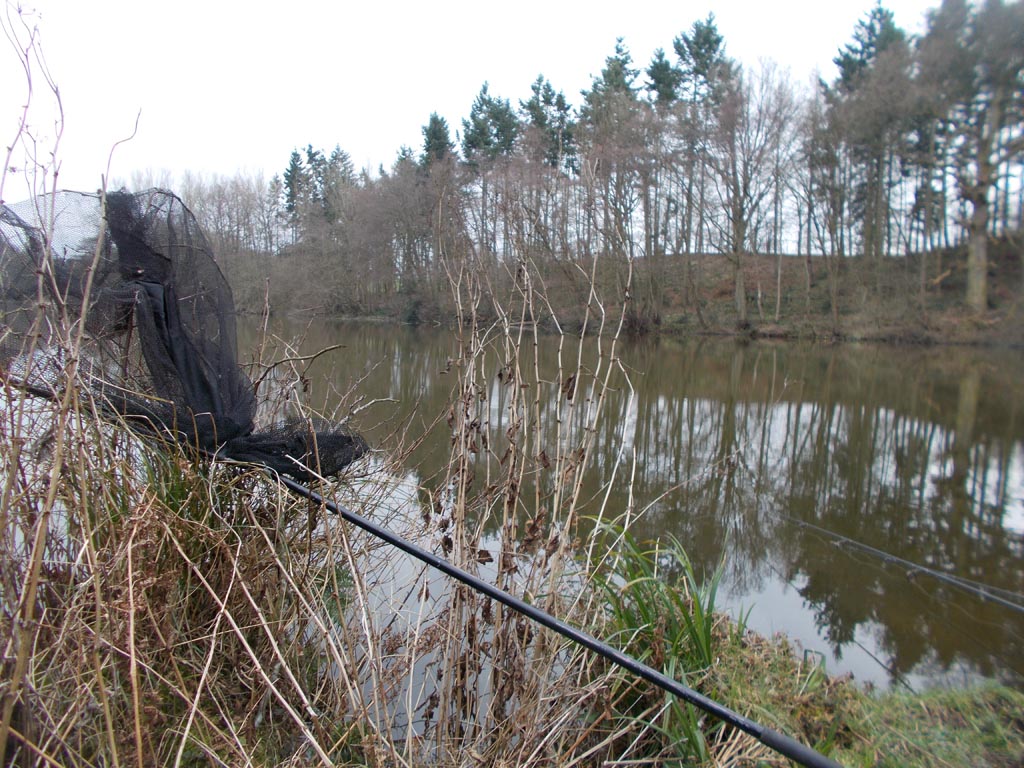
(221, 87)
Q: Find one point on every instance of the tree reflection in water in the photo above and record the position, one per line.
(918, 453)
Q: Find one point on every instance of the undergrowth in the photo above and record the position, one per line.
(188, 613)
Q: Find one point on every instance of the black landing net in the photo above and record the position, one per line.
(159, 325)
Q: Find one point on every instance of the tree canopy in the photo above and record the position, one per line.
(911, 150)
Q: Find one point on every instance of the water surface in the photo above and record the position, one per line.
(863, 499)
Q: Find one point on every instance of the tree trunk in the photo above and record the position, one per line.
(977, 255)
(741, 290)
(778, 286)
(977, 227)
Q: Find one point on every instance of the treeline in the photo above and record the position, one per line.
(909, 162)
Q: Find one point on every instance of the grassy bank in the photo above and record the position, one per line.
(896, 300)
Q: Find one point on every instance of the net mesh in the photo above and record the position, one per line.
(159, 320)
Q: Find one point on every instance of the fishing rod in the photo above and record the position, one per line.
(779, 742)
(160, 278)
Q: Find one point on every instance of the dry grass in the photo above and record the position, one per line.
(162, 610)
(158, 609)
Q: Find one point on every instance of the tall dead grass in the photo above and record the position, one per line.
(159, 609)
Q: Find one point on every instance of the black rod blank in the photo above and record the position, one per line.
(779, 742)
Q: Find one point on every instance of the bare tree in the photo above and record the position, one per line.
(754, 115)
(824, 158)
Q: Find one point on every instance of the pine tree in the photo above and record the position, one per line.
(316, 164)
(296, 184)
(437, 142)
(701, 54)
(871, 37)
(663, 80)
(550, 114)
(971, 60)
(871, 95)
(490, 130)
(612, 93)
(338, 180)
(405, 159)
(340, 166)
(273, 217)
(703, 65)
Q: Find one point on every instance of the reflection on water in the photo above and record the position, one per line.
(768, 458)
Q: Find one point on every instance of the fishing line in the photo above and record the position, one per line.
(158, 285)
(895, 673)
(1003, 597)
(871, 560)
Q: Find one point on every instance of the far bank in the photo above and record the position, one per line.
(916, 299)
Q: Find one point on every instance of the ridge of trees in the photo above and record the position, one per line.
(915, 147)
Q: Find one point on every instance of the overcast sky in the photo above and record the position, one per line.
(235, 86)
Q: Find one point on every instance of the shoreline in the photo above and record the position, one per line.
(678, 328)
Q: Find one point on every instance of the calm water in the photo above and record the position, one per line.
(762, 456)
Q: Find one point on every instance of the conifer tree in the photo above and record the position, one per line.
(549, 113)
(701, 53)
(613, 92)
(971, 59)
(702, 63)
(663, 80)
(491, 129)
(296, 191)
(871, 94)
(339, 179)
(296, 181)
(316, 166)
(437, 142)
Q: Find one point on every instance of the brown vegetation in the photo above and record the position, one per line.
(161, 610)
(156, 609)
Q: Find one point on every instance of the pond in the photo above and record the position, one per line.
(867, 501)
